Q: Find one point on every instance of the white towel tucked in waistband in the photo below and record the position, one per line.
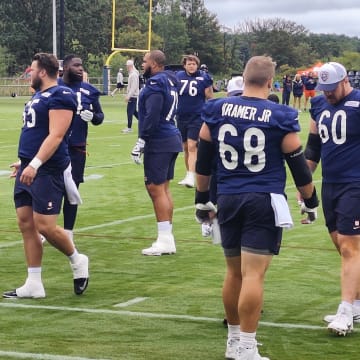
(72, 191)
(281, 211)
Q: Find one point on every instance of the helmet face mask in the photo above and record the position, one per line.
(204, 67)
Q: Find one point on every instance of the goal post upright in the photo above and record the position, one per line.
(116, 50)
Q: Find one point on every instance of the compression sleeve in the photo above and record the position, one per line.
(205, 157)
(298, 167)
(313, 148)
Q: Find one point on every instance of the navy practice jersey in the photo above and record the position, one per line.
(87, 97)
(157, 108)
(192, 91)
(339, 129)
(36, 125)
(309, 83)
(248, 133)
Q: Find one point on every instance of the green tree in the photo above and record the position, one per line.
(25, 29)
(276, 37)
(170, 25)
(205, 36)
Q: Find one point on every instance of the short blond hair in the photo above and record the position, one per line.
(259, 70)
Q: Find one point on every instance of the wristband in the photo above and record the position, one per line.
(202, 197)
(313, 201)
(35, 163)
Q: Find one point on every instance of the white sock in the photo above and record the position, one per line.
(356, 303)
(164, 227)
(74, 256)
(233, 331)
(346, 305)
(34, 274)
(247, 340)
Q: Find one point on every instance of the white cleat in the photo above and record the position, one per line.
(188, 181)
(356, 316)
(231, 345)
(164, 245)
(343, 323)
(182, 182)
(249, 354)
(30, 290)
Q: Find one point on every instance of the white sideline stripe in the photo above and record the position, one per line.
(134, 218)
(152, 315)
(116, 222)
(93, 177)
(21, 355)
(131, 302)
(13, 243)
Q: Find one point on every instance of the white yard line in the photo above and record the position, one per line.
(138, 314)
(22, 355)
(131, 302)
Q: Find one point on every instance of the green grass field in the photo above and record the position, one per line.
(151, 308)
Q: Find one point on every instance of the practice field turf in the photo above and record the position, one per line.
(151, 308)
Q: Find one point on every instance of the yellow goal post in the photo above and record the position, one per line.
(116, 50)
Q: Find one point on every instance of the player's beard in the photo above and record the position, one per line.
(36, 83)
(73, 77)
(147, 73)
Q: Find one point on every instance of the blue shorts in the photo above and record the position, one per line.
(247, 222)
(341, 207)
(44, 195)
(189, 126)
(78, 159)
(159, 167)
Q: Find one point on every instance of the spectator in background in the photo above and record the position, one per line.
(119, 82)
(309, 87)
(287, 88)
(274, 98)
(298, 90)
(132, 93)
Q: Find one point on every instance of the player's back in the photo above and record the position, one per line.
(248, 133)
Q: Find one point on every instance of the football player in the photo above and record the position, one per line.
(88, 111)
(195, 87)
(249, 136)
(334, 139)
(40, 179)
(160, 142)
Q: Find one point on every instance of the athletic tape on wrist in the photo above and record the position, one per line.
(35, 163)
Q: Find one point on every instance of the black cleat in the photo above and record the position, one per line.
(80, 285)
(10, 294)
